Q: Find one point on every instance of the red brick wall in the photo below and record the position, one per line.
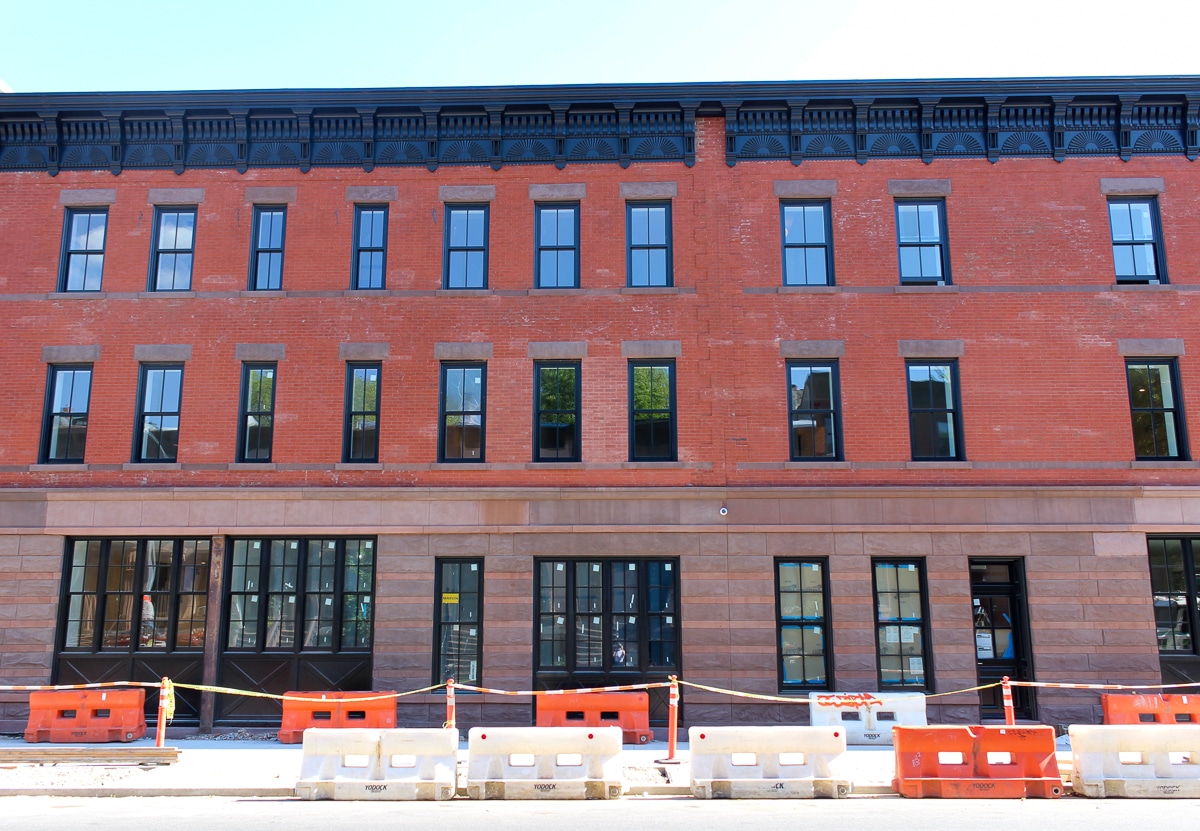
(1042, 383)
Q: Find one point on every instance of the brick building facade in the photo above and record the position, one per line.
(777, 388)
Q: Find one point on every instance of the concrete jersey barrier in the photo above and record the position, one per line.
(365, 764)
(544, 763)
(780, 762)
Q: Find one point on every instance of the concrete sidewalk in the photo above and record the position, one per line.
(265, 768)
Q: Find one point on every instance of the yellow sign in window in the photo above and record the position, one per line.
(449, 598)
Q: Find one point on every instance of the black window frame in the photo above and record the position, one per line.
(69, 254)
(358, 249)
(646, 617)
(672, 409)
(834, 413)
(351, 414)
(143, 414)
(1176, 412)
(955, 411)
(667, 245)
(784, 622)
(157, 252)
(942, 244)
(449, 250)
(99, 586)
(540, 246)
(247, 412)
(826, 246)
(264, 588)
(444, 414)
(443, 627)
(922, 624)
(271, 251)
(51, 416)
(538, 412)
(1175, 606)
(1156, 240)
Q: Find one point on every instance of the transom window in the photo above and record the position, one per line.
(174, 242)
(466, 247)
(607, 615)
(258, 412)
(370, 246)
(67, 400)
(921, 228)
(803, 626)
(649, 234)
(652, 411)
(900, 630)
(266, 256)
(556, 434)
(933, 411)
(1173, 583)
(557, 246)
(458, 626)
(814, 411)
(1156, 409)
(83, 247)
(1136, 240)
(461, 433)
(298, 595)
(135, 595)
(360, 441)
(807, 244)
(158, 414)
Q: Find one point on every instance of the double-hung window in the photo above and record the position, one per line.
(649, 243)
(266, 251)
(370, 246)
(461, 426)
(924, 255)
(1136, 241)
(466, 247)
(803, 598)
(64, 432)
(458, 626)
(258, 412)
(807, 244)
(301, 595)
(159, 401)
(814, 417)
(934, 417)
(556, 397)
(557, 261)
(1157, 411)
(901, 629)
(360, 438)
(174, 243)
(83, 249)
(652, 411)
(143, 595)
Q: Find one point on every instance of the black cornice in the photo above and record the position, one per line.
(493, 126)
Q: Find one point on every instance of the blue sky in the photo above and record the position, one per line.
(71, 45)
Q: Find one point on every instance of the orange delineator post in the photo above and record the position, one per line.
(672, 719)
(86, 716)
(1010, 715)
(976, 761)
(628, 710)
(334, 710)
(160, 730)
(451, 710)
(1148, 708)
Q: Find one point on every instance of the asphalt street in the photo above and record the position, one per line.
(29, 813)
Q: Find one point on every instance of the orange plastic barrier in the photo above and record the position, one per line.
(86, 716)
(1150, 709)
(973, 761)
(335, 710)
(628, 710)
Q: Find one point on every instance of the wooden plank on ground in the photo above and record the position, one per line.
(37, 755)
